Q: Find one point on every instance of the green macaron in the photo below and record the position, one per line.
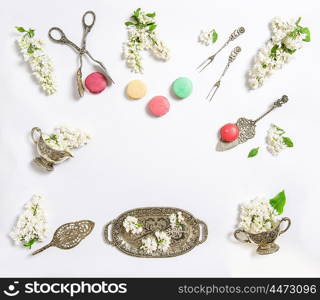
(182, 87)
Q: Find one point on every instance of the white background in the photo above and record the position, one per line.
(135, 160)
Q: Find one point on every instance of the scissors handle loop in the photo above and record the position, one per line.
(93, 20)
(62, 39)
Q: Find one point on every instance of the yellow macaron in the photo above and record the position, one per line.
(136, 89)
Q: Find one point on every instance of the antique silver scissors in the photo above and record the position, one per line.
(232, 37)
(81, 51)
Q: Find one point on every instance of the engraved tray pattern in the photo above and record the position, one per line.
(156, 219)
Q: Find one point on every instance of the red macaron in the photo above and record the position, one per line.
(229, 132)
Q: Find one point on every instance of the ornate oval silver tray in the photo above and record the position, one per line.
(155, 232)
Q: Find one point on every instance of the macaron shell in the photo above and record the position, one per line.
(96, 82)
(182, 87)
(136, 89)
(159, 106)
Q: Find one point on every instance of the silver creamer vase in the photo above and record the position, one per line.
(48, 156)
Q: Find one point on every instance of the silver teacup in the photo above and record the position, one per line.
(265, 240)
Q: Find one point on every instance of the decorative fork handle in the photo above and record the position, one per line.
(232, 37)
(284, 99)
(236, 33)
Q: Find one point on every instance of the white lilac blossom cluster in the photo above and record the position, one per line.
(65, 139)
(149, 245)
(286, 38)
(258, 216)
(208, 37)
(176, 219)
(160, 242)
(142, 36)
(40, 63)
(275, 140)
(32, 224)
(131, 224)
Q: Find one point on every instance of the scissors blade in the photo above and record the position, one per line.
(223, 146)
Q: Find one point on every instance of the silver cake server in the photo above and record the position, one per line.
(247, 127)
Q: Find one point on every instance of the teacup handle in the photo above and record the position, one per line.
(236, 235)
(35, 133)
(288, 225)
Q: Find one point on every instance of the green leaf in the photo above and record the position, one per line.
(298, 21)
(287, 141)
(253, 152)
(278, 128)
(273, 53)
(306, 31)
(135, 18)
(152, 27)
(214, 36)
(278, 202)
(137, 12)
(285, 49)
(31, 32)
(30, 243)
(20, 29)
(151, 15)
(128, 23)
(30, 49)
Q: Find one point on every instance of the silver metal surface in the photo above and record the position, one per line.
(191, 232)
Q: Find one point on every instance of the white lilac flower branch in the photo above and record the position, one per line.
(132, 224)
(32, 225)
(286, 39)
(176, 219)
(275, 140)
(142, 36)
(65, 139)
(40, 63)
(161, 242)
(208, 37)
(262, 214)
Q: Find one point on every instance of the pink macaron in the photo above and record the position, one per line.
(96, 82)
(159, 106)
